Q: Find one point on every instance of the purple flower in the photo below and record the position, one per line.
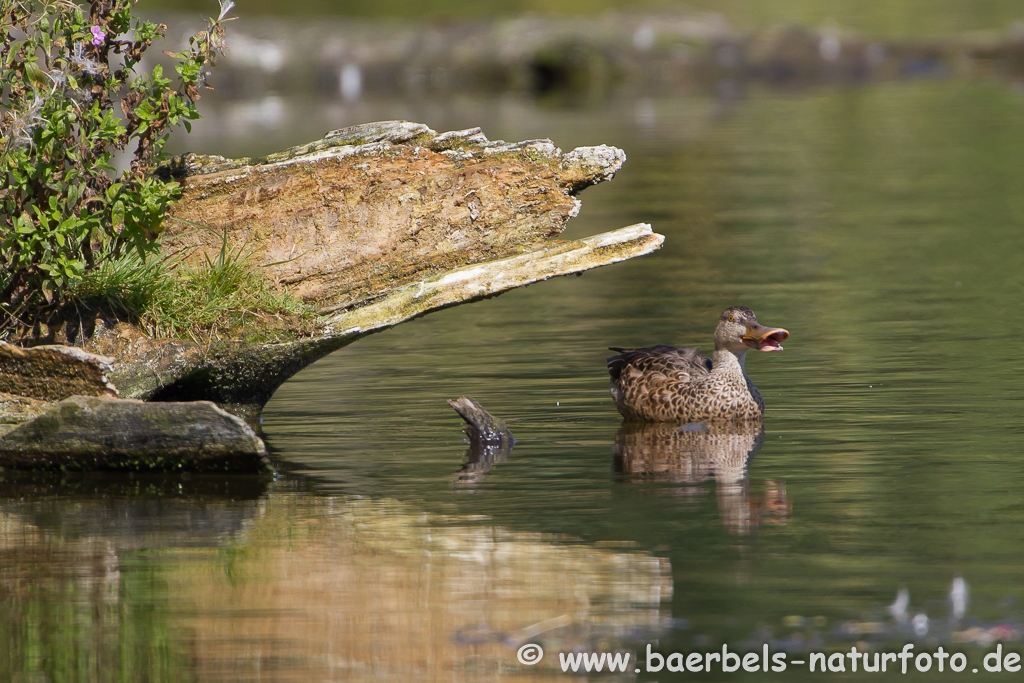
(98, 36)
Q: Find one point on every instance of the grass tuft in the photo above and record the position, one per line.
(225, 296)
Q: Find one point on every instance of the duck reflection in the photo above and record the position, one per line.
(697, 453)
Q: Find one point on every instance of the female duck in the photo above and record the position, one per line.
(677, 384)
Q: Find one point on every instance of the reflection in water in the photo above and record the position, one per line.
(890, 628)
(700, 452)
(481, 456)
(294, 586)
(329, 586)
(490, 441)
(80, 593)
(134, 511)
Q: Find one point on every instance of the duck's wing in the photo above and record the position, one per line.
(681, 363)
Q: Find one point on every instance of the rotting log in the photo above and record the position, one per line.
(482, 428)
(373, 207)
(372, 225)
(242, 377)
(53, 372)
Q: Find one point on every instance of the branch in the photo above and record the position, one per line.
(481, 280)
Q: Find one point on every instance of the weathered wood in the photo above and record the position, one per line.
(243, 377)
(373, 207)
(377, 224)
(481, 426)
(490, 441)
(474, 282)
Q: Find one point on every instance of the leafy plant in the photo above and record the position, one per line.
(72, 94)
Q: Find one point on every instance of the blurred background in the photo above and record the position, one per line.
(902, 18)
(295, 71)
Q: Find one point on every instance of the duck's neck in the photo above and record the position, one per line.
(729, 363)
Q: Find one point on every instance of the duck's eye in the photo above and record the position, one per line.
(731, 319)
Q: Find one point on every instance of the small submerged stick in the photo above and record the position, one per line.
(489, 442)
(482, 428)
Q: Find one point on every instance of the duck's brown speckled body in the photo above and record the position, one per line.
(678, 384)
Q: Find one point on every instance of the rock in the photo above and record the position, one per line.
(17, 409)
(84, 433)
(53, 372)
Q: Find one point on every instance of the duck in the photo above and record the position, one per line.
(678, 384)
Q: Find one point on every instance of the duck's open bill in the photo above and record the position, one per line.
(765, 338)
(677, 384)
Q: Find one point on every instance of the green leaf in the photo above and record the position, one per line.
(58, 188)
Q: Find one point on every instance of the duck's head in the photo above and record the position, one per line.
(738, 330)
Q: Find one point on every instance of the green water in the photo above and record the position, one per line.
(881, 226)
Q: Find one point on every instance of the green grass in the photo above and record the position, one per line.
(224, 296)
